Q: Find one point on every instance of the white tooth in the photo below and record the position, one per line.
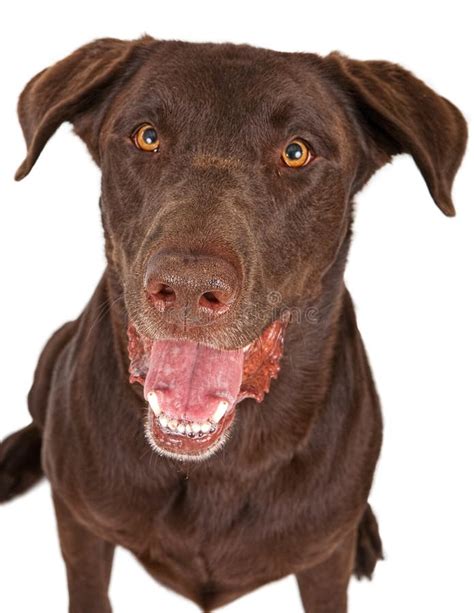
(195, 427)
(247, 347)
(189, 430)
(205, 427)
(172, 424)
(181, 428)
(163, 420)
(153, 402)
(220, 411)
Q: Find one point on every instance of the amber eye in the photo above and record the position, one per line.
(296, 154)
(146, 138)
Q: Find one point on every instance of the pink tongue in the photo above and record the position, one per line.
(191, 380)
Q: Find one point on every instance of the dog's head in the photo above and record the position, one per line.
(227, 180)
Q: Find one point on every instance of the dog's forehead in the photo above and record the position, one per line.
(224, 66)
(233, 77)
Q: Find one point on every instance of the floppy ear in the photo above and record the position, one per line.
(75, 90)
(400, 114)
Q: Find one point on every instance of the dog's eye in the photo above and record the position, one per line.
(296, 154)
(146, 138)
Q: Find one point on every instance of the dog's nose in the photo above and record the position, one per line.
(189, 288)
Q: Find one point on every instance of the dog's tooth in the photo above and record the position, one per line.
(163, 420)
(220, 411)
(189, 430)
(195, 427)
(181, 428)
(205, 427)
(172, 424)
(153, 402)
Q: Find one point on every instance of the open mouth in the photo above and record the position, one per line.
(192, 389)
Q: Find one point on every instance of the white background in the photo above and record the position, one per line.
(410, 274)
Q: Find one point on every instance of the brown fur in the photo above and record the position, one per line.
(288, 492)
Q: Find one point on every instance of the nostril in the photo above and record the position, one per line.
(166, 292)
(210, 297)
(218, 301)
(163, 293)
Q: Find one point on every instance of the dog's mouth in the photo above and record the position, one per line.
(192, 389)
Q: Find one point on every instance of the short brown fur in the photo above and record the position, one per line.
(288, 492)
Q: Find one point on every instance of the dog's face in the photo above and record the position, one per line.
(228, 176)
(236, 154)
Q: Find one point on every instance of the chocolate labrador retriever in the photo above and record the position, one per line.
(212, 409)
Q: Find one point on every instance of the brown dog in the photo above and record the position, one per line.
(228, 179)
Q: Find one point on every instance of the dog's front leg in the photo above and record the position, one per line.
(88, 563)
(323, 588)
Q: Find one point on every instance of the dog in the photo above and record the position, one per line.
(212, 409)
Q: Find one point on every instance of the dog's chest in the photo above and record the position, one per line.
(206, 534)
(219, 537)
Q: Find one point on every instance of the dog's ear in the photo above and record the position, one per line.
(75, 89)
(398, 113)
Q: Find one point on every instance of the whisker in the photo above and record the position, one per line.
(104, 309)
